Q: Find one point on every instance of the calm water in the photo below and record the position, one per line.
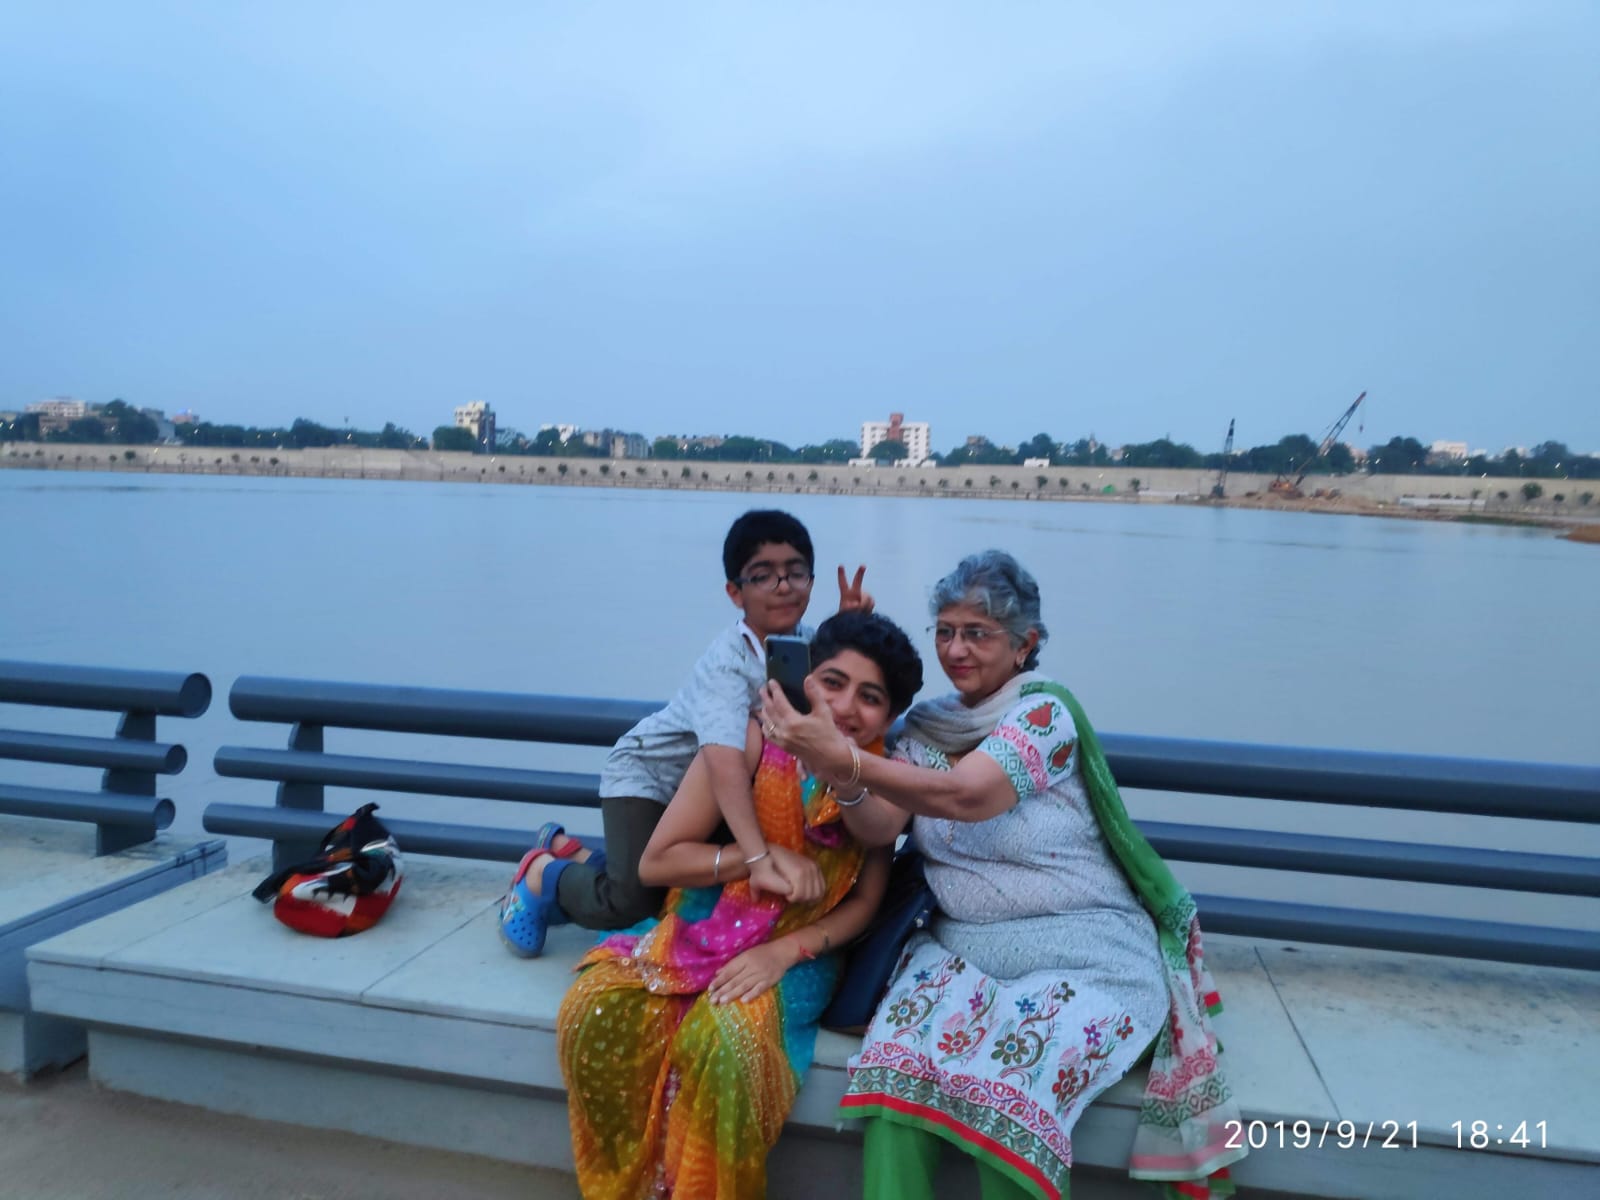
(1214, 623)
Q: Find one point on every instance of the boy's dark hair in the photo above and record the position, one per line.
(762, 527)
(879, 639)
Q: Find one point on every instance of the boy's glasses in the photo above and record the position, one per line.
(973, 635)
(767, 581)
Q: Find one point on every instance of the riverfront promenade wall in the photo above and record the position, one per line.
(1119, 484)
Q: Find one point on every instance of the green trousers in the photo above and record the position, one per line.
(901, 1162)
(612, 897)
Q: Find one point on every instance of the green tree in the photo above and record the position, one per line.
(1397, 456)
(980, 452)
(1531, 491)
(1161, 453)
(304, 433)
(888, 451)
(127, 424)
(24, 429)
(84, 429)
(665, 447)
(395, 438)
(1085, 452)
(449, 437)
(836, 450)
(1040, 445)
(1340, 461)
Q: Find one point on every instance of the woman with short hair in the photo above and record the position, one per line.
(683, 1044)
(1063, 946)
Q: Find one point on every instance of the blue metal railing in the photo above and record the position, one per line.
(126, 810)
(1527, 791)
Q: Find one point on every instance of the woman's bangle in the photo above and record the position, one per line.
(750, 862)
(716, 866)
(855, 765)
(843, 803)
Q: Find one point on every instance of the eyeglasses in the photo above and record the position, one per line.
(767, 581)
(973, 635)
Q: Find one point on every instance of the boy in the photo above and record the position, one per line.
(767, 559)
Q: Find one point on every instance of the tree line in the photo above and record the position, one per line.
(121, 423)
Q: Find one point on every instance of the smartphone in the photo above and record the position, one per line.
(788, 663)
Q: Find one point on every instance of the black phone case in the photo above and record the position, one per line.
(788, 663)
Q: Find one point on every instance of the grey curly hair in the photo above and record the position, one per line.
(1002, 588)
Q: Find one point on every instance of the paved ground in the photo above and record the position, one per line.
(62, 1138)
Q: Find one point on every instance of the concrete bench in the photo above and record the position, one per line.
(426, 1030)
(70, 855)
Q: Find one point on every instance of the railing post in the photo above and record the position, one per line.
(306, 796)
(124, 781)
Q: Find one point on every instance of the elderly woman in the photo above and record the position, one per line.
(1064, 947)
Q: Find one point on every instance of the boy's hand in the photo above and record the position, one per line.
(767, 880)
(804, 877)
(852, 598)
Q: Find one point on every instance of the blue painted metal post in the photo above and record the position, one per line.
(304, 796)
(108, 839)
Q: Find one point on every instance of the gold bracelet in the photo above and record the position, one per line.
(716, 866)
(855, 765)
(750, 862)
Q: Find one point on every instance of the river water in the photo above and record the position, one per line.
(1187, 621)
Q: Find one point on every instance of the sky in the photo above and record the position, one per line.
(1133, 220)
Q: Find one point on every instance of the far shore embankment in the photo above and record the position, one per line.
(1564, 503)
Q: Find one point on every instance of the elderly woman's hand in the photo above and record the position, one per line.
(811, 737)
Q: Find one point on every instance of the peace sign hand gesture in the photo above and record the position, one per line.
(852, 597)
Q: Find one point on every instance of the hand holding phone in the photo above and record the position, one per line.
(788, 663)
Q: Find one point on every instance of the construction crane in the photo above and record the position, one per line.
(1288, 488)
(1217, 490)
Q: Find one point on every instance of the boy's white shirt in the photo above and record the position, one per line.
(650, 759)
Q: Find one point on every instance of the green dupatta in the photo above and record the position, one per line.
(1183, 1138)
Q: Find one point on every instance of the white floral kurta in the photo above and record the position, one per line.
(1042, 982)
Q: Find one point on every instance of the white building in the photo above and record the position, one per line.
(477, 419)
(913, 435)
(58, 414)
(1448, 450)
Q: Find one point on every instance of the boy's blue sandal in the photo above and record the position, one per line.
(525, 918)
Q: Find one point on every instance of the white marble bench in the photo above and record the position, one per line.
(51, 881)
(426, 1030)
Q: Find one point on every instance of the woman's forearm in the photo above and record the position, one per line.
(845, 921)
(691, 864)
(975, 789)
(873, 821)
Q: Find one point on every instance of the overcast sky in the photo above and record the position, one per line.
(783, 219)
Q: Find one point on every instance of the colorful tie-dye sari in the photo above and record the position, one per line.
(669, 1094)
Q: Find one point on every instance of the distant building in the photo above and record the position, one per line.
(477, 419)
(1447, 451)
(186, 418)
(913, 435)
(629, 445)
(57, 414)
(564, 432)
(1357, 454)
(1036, 462)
